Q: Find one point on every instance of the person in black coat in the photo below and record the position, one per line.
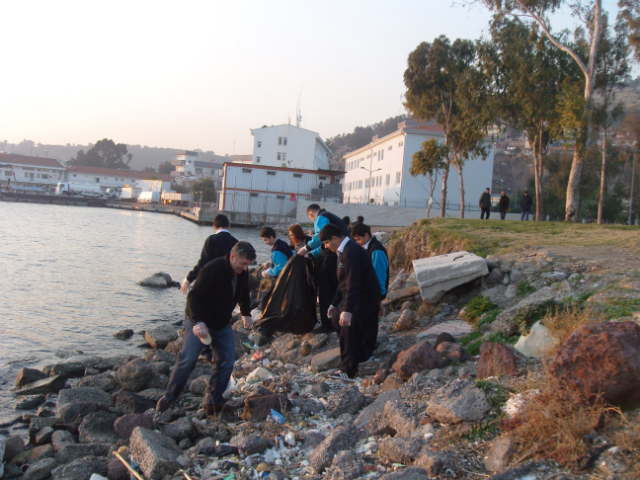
(503, 205)
(215, 246)
(357, 300)
(525, 205)
(221, 285)
(485, 204)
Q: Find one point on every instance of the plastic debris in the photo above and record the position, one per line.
(290, 439)
(258, 375)
(277, 416)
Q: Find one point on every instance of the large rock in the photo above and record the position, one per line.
(401, 294)
(326, 360)
(602, 358)
(495, 360)
(250, 444)
(125, 425)
(128, 402)
(103, 381)
(28, 402)
(377, 406)
(29, 375)
(421, 356)
(46, 385)
(403, 418)
(458, 401)
(72, 369)
(498, 456)
(33, 455)
(453, 352)
(345, 466)
(83, 469)
(159, 337)
(69, 453)
(13, 446)
(40, 469)
(134, 375)
(74, 403)
(437, 275)
(156, 454)
(158, 280)
(435, 462)
(506, 321)
(97, 427)
(181, 428)
(341, 438)
(60, 438)
(160, 356)
(349, 399)
(407, 474)
(538, 344)
(259, 407)
(399, 450)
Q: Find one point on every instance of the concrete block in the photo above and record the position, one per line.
(437, 275)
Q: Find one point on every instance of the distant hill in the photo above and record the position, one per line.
(630, 95)
(142, 156)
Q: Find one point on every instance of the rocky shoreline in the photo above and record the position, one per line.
(443, 396)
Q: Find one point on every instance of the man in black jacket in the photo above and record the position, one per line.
(220, 285)
(503, 206)
(485, 204)
(525, 205)
(357, 299)
(215, 246)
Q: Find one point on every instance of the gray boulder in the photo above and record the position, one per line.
(46, 385)
(377, 406)
(13, 446)
(60, 438)
(435, 462)
(33, 455)
(97, 427)
(341, 438)
(159, 337)
(159, 280)
(125, 334)
(250, 444)
(71, 452)
(326, 360)
(160, 356)
(125, 425)
(28, 375)
(127, 402)
(181, 428)
(399, 450)
(82, 469)
(156, 454)
(104, 381)
(538, 343)
(345, 466)
(40, 469)
(28, 402)
(199, 385)
(349, 399)
(44, 436)
(458, 401)
(74, 403)
(134, 375)
(407, 474)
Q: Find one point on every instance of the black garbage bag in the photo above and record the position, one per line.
(292, 306)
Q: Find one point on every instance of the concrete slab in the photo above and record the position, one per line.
(437, 275)
(455, 327)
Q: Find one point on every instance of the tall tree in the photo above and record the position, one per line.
(165, 167)
(432, 77)
(429, 161)
(589, 12)
(204, 190)
(519, 85)
(105, 154)
(612, 72)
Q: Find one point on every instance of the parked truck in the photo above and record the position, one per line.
(70, 188)
(178, 199)
(149, 197)
(129, 193)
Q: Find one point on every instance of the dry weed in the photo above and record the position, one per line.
(564, 320)
(625, 434)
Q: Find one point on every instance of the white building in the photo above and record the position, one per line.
(387, 161)
(289, 146)
(23, 171)
(271, 190)
(116, 178)
(188, 168)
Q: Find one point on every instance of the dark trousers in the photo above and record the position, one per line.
(525, 215)
(358, 340)
(503, 215)
(484, 211)
(223, 346)
(327, 285)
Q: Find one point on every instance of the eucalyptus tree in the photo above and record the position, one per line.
(590, 14)
(429, 161)
(433, 75)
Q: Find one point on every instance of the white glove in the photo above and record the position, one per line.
(247, 322)
(330, 311)
(200, 330)
(303, 251)
(345, 319)
(265, 273)
(186, 286)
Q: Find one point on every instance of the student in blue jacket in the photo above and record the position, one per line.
(361, 233)
(280, 255)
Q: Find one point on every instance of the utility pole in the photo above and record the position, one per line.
(369, 187)
(633, 171)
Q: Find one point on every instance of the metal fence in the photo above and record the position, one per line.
(262, 203)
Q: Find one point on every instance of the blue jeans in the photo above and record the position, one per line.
(525, 215)
(223, 346)
(503, 215)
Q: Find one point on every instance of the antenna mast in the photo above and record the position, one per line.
(298, 106)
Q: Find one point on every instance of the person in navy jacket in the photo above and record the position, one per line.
(327, 279)
(280, 255)
(357, 299)
(361, 233)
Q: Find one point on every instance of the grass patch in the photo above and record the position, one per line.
(620, 307)
(477, 308)
(497, 395)
(501, 337)
(530, 315)
(471, 343)
(524, 288)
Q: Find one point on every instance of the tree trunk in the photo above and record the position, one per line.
(573, 187)
(602, 173)
(459, 167)
(443, 197)
(537, 173)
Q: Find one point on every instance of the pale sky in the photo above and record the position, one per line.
(201, 74)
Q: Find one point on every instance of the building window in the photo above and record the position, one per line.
(279, 156)
(257, 159)
(280, 197)
(271, 173)
(284, 156)
(323, 179)
(284, 141)
(279, 140)
(246, 170)
(368, 156)
(390, 147)
(400, 144)
(7, 173)
(297, 175)
(397, 178)
(253, 194)
(259, 144)
(360, 184)
(375, 154)
(74, 174)
(366, 182)
(381, 155)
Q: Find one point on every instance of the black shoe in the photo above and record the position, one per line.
(323, 329)
(163, 405)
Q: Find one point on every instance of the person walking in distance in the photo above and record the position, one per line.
(503, 205)
(220, 286)
(357, 299)
(327, 279)
(215, 246)
(485, 204)
(525, 205)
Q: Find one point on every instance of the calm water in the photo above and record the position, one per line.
(68, 280)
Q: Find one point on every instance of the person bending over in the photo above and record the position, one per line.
(280, 255)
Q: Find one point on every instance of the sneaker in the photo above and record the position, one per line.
(163, 405)
(339, 375)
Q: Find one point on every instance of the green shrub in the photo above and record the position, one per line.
(524, 288)
(477, 307)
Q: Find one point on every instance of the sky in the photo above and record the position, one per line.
(201, 74)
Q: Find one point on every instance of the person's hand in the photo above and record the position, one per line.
(200, 330)
(345, 319)
(303, 251)
(247, 322)
(186, 286)
(265, 273)
(330, 311)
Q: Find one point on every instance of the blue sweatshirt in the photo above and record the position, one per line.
(380, 261)
(280, 255)
(324, 218)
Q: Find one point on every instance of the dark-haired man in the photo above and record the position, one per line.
(361, 233)
(215, 246)
(357, 299)
(484, 203)
(327, 280)
(221, 284)
(280, 255)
